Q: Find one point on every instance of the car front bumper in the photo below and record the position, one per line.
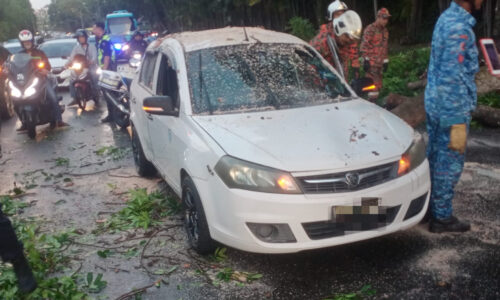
(229, 211)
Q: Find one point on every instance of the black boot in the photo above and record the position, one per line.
(451, 224)
(108, 119)
(22, 128)
(25, 279)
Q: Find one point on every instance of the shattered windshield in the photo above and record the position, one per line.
(260, 77)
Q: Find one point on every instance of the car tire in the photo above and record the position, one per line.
(143, 166)
(195, 221)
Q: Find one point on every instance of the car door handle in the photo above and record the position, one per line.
(150, 116)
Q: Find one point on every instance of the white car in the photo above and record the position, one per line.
(58, 51)
(268, 149)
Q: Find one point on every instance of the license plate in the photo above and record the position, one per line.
(125, 69)
(368, 208)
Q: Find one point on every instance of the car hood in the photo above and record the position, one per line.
(57, 62)
(347, 135)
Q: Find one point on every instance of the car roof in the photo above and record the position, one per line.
(196, 40)
(60, 41)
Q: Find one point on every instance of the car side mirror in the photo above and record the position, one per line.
(160, 105)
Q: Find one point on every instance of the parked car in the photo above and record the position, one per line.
(58, 51)
(13, 47)
(269, 150)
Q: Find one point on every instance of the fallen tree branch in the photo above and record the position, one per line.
(5, 161)
(137, 291)
(93, 173)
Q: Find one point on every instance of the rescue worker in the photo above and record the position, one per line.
(11, 250)
(28, 44)
(450, 98)
(137, 43)
(348, 28)
(90, 53)
(348, 52)
(105, 58)
(374, 48)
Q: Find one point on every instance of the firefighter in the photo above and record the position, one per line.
(374, 47)
(348, 52)
(450, 98)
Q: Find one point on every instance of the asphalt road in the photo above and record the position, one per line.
(414, 264)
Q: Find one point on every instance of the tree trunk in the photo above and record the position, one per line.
(414, 20)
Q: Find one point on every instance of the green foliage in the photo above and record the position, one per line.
(143, 210)
(45, 255)
(403, 68)
(113, 152)
(10, 206)
(62, 162)
(491, 99)
(95, 285)
(225, 274)
(15, 15)
(301, 28)
(364, 292)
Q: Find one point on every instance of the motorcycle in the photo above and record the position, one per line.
(27, 88)
(80, 76)
(115, 87)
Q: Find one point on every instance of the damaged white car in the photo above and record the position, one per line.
(270, 151)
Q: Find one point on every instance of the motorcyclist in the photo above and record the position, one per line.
(11, 250)
(90, 53)
(137, 43)
(27, 42)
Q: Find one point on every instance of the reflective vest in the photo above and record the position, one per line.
(100, 51)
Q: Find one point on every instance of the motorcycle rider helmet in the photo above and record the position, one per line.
(26, 36)
(81, 32)
(349, 23)
(137, 33)
(334, 7)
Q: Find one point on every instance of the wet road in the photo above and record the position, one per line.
(414, 264)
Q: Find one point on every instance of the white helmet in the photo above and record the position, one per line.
(334, 7)
(25, 36)
(349, 23)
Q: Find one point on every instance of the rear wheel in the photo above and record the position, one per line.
(195, 221)
(143, 166)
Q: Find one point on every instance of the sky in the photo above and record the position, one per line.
(37, 4)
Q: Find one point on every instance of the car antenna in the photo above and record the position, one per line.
(246, 35)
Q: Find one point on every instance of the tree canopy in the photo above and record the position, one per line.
(15, 15)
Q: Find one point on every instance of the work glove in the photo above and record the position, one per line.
(458, 138)
(366, 65)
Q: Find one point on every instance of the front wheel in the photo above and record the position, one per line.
(143, 166)
(121, 119)
(195, 221)
(82, 102)
(31, 127)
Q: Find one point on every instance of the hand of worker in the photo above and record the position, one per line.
(458, 138)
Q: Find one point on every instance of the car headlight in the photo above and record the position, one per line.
(414, 156)
(118, 46)
(244, 175)
(125, 48)
(30, 91)
(14, 92)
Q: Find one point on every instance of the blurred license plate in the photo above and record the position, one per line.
(369, 208)
(125, 68)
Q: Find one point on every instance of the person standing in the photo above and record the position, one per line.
(105, 59)
(348, 51)
(450, 98)
(374, 48)
(11, 250)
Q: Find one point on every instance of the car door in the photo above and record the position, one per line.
(167, 145)
(141, 89)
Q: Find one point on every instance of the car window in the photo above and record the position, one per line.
(148, 70)
(234, 79)
(62, 49)
(167, 79)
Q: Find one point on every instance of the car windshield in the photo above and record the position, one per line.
(13, 48)
(257, 77)
(62, 49)
(120, 25)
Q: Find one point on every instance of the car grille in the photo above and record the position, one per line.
(329, 229)
(349, 181)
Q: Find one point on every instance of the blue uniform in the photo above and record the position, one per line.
(450, 97)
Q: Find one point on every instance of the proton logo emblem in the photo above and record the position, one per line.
(20, 77)
(352, 179)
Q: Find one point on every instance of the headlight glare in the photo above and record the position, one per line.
(413, 157)
(14, 92)
(248, 176)
(30, 91)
